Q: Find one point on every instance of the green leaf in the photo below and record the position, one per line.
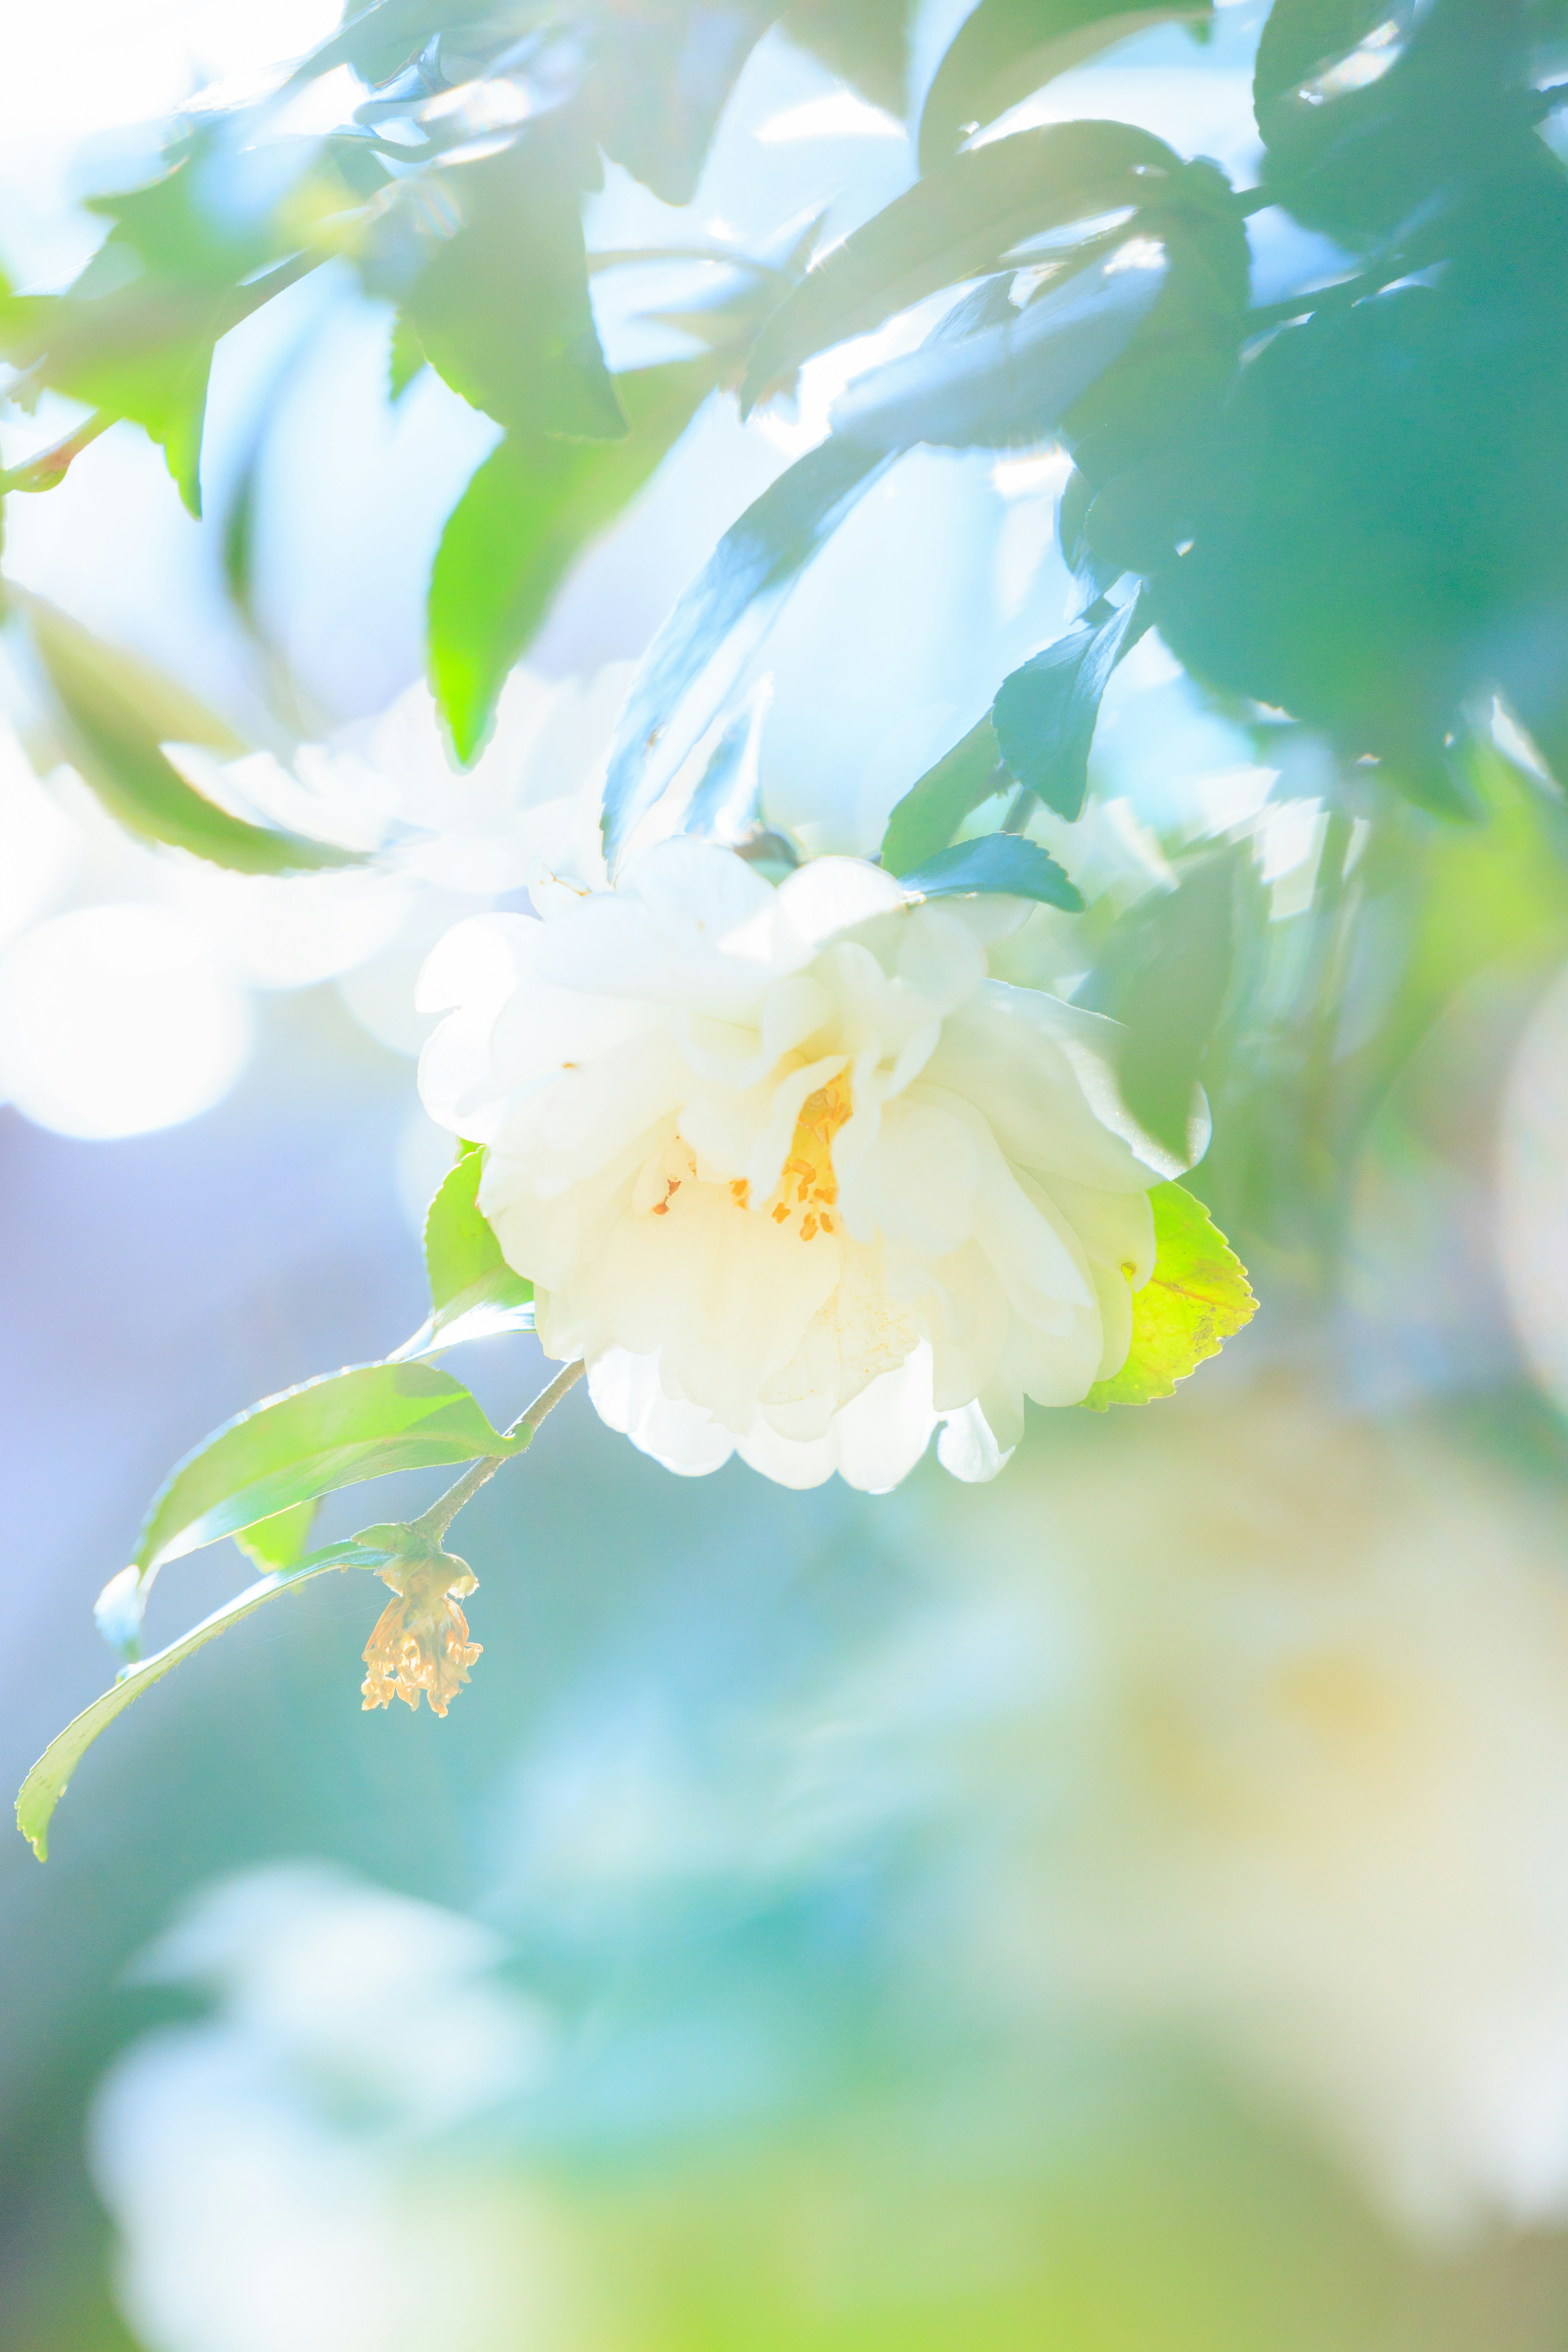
(279, 1543)
(116, 713)
(931, 811)
(750, 571)
(1197, 1295)
(45, 1783)
(328, 1432)
(501, 307)
(962, 221)
(474, 1294)
(999, 862)
(1007, 48)
(1009, 384)
(528, 512)
(404, 358)
(867, 45)
(1045, 713)
(1175, 997)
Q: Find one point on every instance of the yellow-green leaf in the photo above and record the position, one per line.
(45, 1783)
(1197, 1295)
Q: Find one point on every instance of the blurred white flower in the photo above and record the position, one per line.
(1257, 1720)
(795, 1177)
(391, 784)
(270, 2169)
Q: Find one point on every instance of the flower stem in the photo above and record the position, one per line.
(435, 1522)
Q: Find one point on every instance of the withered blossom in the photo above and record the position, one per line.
(421, 1639)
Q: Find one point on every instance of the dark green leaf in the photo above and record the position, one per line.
(116, 712)
(531, 506)
(1045, 713)
(931, 811)
(501, 308)
(45, 1783)
(1007, 48)
(755, 562)
(474, 1294)
(998, 862)
(961, 222)
(1197, 1295)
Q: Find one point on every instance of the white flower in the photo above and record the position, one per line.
(788, 1169)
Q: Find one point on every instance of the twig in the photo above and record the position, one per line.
(51, 466)
(435, 1522)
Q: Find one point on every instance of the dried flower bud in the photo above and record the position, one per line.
(421, 1639)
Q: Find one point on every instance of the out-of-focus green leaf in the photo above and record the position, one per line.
(867, 44)
(1045, 713)
(659, 81)
(474, 1294)
(404, 358)
(1008, 47)
(757, 559)
(1196, 1297)
(1174, 999)
(279, 1543)
(964, 220)
(309, 1441)
(501, 307)
(45, 1783)
(531, 508)
(1004, 863)
(1009, 385)
(116, 713)
(931, 811)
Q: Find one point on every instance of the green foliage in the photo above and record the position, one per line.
(115, 713)
(754, 565)
(1045, 714)
(965, 219)
(501, 308)
(45, 1783)
(1180, 948)
(1007, 49)
(1195, 1300)
(279, 1543)
(329, 1432)
(1004, 863)
(931, 811)
(473, 1291)
(530, 509)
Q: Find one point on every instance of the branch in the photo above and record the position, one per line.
(435, 1522)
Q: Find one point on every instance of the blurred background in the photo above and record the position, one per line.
(1121, 1909)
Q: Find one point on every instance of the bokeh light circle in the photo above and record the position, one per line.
(115, 1020)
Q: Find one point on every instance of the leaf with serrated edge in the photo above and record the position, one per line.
(1004, 863)
(1046, 712)
(931, 811)
(46, 1784)
(1196, 1298)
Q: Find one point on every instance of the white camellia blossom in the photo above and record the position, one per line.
(788, 1169)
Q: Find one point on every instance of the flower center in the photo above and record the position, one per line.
(808, 1186)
